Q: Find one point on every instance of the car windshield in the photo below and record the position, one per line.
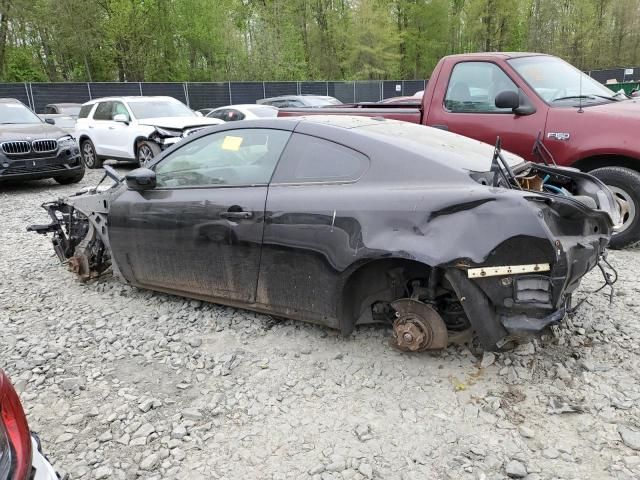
(265, 111)
(558, 82)
(17, 113)
(320, 101)
(159, 108)
(70, 110)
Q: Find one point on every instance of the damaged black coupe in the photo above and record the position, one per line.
(344, 221)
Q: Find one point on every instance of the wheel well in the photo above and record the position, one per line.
(591, 163)
(378, 280)
(83, 138)
(135, 145)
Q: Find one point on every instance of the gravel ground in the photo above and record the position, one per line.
(125, 383)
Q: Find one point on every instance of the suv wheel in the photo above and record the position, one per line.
(146, 152)
(89, 156)
(625, 185)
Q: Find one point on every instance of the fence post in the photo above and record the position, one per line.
(140, 88)
(230, 99)
(186, 93)
(264, 90)
(33, 101)
(89, 90)
(327, 85)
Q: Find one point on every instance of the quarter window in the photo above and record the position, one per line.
(312, 159)
(473, 87)
(119, 109)
(230, 158)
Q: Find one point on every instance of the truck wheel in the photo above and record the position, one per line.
(625, 185)
(146, 151)
(89, 155)
(68, 180)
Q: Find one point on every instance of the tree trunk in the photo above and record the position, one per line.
(5, 5)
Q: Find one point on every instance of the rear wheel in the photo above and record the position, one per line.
(625, 185)
(146, 151)
(89, 155)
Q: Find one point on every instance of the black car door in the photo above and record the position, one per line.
(200, 230)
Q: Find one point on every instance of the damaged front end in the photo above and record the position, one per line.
(79, 228)
(166, 137)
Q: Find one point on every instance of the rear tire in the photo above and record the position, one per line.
(147, 152)
(89, 155)
(69, 180)
(625, 185)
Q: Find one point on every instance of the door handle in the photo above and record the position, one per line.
(90, 126)
(241, 215)
(112, 128)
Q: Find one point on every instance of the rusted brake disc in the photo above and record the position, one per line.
(418, 327)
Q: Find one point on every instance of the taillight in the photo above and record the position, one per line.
(15, 437)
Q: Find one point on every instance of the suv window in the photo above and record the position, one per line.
(218, 114)
(474, 86)
(312, 159)
(103, 111)
(84, 111)
(229, 158)
(119, 109)
(49, 109)
(233, 115)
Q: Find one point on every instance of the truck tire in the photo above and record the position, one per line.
(89, 155)
(625, 185)
(146, 152)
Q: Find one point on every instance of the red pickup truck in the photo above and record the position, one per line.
(523, 97)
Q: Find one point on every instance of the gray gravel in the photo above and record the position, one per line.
(125, 383)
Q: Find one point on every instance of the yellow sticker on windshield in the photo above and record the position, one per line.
(232, 143)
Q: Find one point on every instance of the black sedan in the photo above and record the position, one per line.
(31, 148)
(348, 220)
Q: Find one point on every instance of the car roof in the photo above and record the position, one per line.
(130, 99)
(9, 100)
(68, 104)
(296, 97)
(499, 54)
(245, 105)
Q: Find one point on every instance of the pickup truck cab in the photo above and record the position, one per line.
(526, 97)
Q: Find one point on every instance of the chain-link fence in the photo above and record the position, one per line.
(207, 94)
(616, 75)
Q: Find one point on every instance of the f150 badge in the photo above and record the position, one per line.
(562, 136)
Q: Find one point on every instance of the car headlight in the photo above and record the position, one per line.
(66, 142)
(167, 132)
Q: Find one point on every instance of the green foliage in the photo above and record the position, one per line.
(217, 40)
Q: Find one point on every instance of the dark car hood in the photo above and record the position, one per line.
(29, 131)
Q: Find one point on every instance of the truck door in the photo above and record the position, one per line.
(466, 105)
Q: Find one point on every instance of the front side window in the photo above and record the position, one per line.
(473, 88)
(233, 115)
(119, 109)
(103, 111)
(218, 114)
(230, 158)
(311, 159)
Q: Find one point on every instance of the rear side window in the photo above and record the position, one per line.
(310, 159)
(84, 111)
(103, 111)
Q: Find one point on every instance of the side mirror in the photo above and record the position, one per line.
(50, 121)
(141, 179)
(516, 101)
(121, 118)
(508, 99)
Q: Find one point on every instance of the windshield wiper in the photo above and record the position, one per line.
(593, 97)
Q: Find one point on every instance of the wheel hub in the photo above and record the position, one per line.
(627, 207)
(418, 327)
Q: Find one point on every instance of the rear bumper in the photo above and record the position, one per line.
(65, 163)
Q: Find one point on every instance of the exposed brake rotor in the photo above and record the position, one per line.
(418, 327)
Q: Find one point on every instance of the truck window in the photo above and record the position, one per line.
(473, 87)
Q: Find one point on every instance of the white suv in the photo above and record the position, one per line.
(133, 128)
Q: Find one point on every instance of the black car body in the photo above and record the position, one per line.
(31, 149)
(348, 220)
